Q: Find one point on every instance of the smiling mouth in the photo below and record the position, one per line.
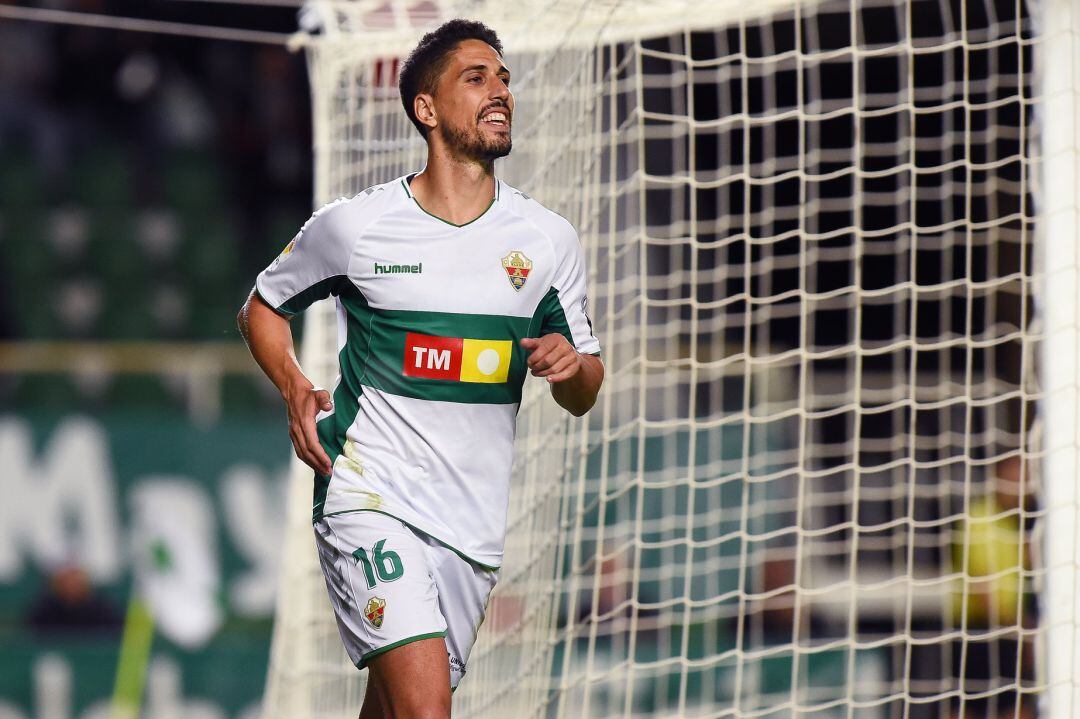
(497, 118)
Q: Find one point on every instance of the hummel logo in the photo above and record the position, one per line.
(398, 269)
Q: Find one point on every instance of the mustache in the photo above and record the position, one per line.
(494, 105)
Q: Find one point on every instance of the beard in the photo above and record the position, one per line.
(469, 143)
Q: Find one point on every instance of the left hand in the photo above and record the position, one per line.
(552, 356)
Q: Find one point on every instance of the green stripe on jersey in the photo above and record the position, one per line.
(374, 356)
(552, 317)
(379, 358)
(319, 291)
(332, 429)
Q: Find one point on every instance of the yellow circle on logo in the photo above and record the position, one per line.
(487, 361)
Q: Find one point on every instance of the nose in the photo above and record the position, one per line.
(499, 90)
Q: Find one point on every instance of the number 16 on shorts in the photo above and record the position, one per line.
(384, 565)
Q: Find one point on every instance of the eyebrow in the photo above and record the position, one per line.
(502, 69)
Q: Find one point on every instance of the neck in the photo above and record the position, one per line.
(454, 189)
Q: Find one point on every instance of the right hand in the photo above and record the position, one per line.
(303, 402)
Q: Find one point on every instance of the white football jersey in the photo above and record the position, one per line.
(430, 316)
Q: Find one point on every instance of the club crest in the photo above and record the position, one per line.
(374, 611)
(517, 267)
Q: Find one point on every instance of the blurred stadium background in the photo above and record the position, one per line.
(815, 485)
(144, 179)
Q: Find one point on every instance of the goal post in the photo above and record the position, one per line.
(1059, 240)
(834, 268)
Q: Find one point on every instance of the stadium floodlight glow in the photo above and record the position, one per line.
(831, 244)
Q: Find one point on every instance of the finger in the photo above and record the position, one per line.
(299, 448)
(539, 355)
(537, 360)
(542, 368)
(324, 461)
(559, 365)
(322, 399)
(315, 450)
(296, 449)
(538, 364)
(564, 374)
(551, 356)
(299, 441)
(551, 346)
(306, 443)
(530, 343)
(320, 464)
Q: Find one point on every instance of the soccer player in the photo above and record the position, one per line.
(451, 286)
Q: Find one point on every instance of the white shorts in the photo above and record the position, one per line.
(391, 585)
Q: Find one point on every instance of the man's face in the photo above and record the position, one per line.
(474, 103)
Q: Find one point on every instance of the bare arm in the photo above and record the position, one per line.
(575, 378)
(269, 337)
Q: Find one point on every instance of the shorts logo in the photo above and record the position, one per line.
(456, 360)
(517, 267)
(374, 611)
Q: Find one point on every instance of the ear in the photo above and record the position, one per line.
(424, 107)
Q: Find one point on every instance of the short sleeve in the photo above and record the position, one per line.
(566, 305)
(313, 266)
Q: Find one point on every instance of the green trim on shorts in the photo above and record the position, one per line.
(455, 550)
(371, 655)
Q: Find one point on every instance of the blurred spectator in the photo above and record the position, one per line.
(993, 604)
(69, 605)
(99, 127)
(778, 610)
(27, 113)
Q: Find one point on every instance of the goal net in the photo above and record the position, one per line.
(833, 269)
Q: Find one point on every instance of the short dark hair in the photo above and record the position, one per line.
(421, 70)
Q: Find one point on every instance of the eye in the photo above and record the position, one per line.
(474, 79)
(506, 81)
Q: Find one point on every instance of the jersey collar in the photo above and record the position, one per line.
(407, 179)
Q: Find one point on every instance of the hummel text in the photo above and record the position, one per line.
(398, 269)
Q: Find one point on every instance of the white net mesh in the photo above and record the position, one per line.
(809, 486)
